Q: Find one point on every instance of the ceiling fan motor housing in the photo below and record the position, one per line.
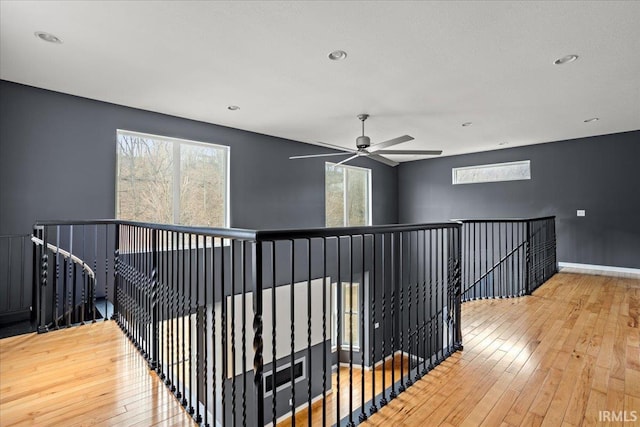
(363, 142)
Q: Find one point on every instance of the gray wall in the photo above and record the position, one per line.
(57, 161)
(599, 174)
(58, 154)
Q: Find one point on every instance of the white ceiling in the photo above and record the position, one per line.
(418, 68)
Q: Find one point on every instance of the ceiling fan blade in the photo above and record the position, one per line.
(412, 152)
(381, 159)
(390, 142)
(308, 156)
(346, 160)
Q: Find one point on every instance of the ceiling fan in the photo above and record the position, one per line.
(375, 151)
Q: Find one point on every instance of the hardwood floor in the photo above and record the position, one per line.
(302, 416)
(556, 358)
(87, 375)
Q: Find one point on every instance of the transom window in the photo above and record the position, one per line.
(347, 196)
(171, 181)
(510, 171)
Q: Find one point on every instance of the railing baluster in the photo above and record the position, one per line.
(433, 296)
(309, 364)
(351, 268)
(201, 346)
(203, 335)
(190, 313)
(324, 330)
(401, 286)
(372, 324)
(257, 274)
(56, 279)
(339, 297)
(244, 329)
(223, 302)
(183, 314)
(95, 271)
(394, 323)
(361, 335)
(383, 398)
(84, 278)
(292, 303)
(162, 303)
(233, 331)
(171, 315)
(417, 307)
(274, 390)
(214, 337)
(439, 291)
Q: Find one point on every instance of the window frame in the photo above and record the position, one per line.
(345, 186)
(335, 312)
(176, 143)
(454, 177)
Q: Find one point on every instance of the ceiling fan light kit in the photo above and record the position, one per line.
(374, 152)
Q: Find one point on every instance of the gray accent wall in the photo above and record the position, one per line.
(58, 161)
(58, 154)
(599, 174)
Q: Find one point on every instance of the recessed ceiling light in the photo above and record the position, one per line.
(233, 107)
(592, 119)
(565, 59)
(337, 55)
(465, 124)
(47, 37)
(503, 143)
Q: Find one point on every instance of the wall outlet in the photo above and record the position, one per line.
(376, 325)
(581, 212)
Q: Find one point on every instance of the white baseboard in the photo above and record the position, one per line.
(603, 270)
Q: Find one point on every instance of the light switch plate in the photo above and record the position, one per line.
(581, 212)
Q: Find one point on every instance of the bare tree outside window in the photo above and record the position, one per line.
(170, 181)
(347, 196)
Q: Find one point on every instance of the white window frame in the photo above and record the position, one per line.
(176, 170)
(527, 163)
(345, 186)
(343, 313)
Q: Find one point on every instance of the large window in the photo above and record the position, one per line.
(347, 196)
(171, 181)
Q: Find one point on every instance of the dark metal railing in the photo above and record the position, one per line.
(255, 327)
(72, 273)
(250, 328)
(506, 257)
(369, 300)
(16, 298)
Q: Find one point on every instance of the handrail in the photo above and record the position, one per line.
(231, 233)
(349, 231)
(262, 235)
(65, 254)
(468, 220)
